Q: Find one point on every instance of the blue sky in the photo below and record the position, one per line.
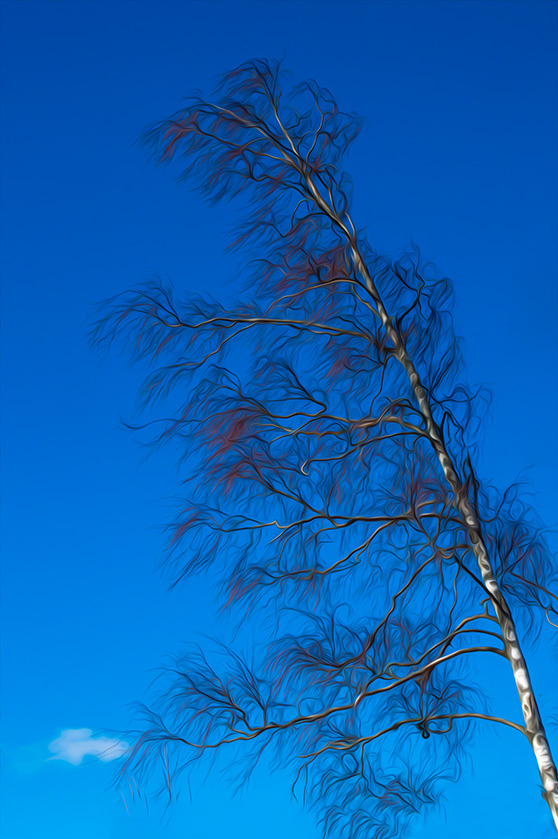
(458, 152)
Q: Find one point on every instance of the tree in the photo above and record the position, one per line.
(332, 486)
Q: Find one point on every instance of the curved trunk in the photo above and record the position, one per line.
(534, 727)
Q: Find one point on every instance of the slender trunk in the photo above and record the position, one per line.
(533, 723)
(534, 727)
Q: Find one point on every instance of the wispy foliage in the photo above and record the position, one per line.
(316, 488)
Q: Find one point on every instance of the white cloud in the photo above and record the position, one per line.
(75, 743)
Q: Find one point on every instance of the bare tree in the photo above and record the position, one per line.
(331, 488)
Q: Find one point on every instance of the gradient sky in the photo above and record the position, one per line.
(458, 152)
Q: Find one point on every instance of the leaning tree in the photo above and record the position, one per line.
(330, 486)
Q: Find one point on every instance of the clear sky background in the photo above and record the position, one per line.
(458, 152)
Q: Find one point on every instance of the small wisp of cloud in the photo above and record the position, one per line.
(75, 743)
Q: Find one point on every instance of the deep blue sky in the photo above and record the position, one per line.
(458, 152)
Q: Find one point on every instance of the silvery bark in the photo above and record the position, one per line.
(534, 727)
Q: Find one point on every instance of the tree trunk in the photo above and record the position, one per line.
(534, 727)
